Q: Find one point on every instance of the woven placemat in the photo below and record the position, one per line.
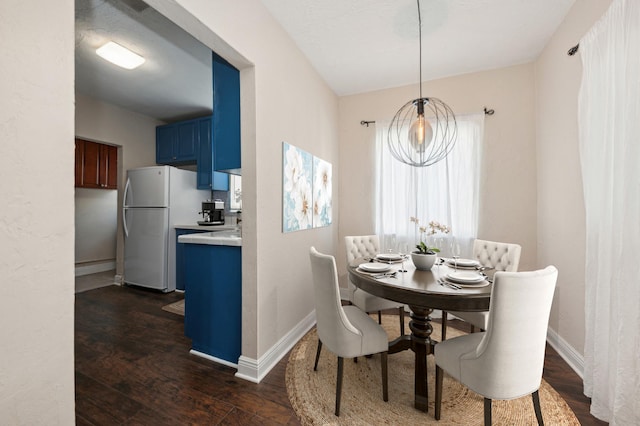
(312, 394)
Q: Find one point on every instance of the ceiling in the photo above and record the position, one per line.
(356, 46)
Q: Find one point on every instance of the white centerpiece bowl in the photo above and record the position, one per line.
(423, 262)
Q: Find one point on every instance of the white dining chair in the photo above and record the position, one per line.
(347, 331)
(369, 246)
(490, 254)
(505, 361)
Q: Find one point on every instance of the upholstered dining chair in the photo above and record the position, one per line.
(347, 331)
(505, 361)
(369, 246)
(490, 254)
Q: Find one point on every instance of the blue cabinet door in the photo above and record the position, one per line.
(177, 143)
(187, 141)
(180, 259)
(165, 140)
(207, 177)
(205, 153)
(226, 116)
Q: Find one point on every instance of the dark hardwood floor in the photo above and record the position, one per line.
(133, 367)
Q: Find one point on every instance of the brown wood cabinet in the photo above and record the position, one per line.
(96, 165)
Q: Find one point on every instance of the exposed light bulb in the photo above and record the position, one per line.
(420, 134)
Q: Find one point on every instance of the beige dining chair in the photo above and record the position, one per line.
(490, 254)
(369, 246)
(506, 361)
(347, 331)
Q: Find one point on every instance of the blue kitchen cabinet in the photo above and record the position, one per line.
(177, 143)
(213, 301)
(226, 116)
(180, 258)
(207, 177)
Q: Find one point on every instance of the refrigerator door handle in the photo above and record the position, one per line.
(127, 186)
(124, 208)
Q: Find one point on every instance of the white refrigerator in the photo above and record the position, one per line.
(155, 200)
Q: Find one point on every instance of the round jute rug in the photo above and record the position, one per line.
(312, 394)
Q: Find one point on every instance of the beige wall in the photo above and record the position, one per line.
(508, 176)
(134, 134)
(283, 99)
(36, 216)
(561, 216)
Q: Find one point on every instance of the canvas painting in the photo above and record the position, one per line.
(321, 193)
(297, 204)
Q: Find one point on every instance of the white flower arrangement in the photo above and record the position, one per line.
(431, 229)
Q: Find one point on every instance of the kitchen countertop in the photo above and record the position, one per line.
(210, 228)
(216, 238)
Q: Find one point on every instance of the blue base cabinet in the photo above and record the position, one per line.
(180, 258)
(213, 300)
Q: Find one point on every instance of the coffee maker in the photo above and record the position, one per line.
(212, 212)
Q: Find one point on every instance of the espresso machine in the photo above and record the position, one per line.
(212, 212)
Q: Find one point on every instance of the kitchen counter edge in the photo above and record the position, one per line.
(217, 238)
(209, 228)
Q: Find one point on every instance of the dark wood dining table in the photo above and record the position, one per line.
(421, 291)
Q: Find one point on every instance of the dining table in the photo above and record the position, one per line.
(423, 291)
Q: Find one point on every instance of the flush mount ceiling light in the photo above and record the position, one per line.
(424, 130)
(119, 55)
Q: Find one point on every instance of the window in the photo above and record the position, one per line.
(446, 192)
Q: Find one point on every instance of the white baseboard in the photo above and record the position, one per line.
(255, 370)
(567, 352)
(94, 268)
(213, 358)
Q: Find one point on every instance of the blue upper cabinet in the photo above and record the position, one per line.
(207, 177)
(226, 116)
(177, 143)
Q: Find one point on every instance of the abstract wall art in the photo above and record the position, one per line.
(306, 190)
(321, 193)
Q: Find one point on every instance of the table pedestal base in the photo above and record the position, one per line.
(421, 344)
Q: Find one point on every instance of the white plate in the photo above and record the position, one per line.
(374, 267)
(483, 283)
(389, 256)
(465, 277)
(465, 263)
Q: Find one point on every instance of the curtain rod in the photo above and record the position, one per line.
(573, 50)
(366, 123)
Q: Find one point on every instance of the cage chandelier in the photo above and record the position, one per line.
(424, 130)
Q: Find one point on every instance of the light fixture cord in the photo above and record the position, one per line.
(420, 45)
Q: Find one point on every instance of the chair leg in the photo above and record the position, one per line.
(315, 366)
(339, 384)
(444, 326)
(379, 317)
(487, 412)
(439, 377)
(385, 382)
(401, 314)
(536, 407)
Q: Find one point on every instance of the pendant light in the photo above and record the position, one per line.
(424, 130)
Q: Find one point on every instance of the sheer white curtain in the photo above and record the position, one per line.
(446, 192)
(609, 122)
